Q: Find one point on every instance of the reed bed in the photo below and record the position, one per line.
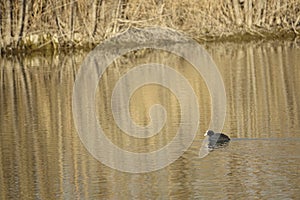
(56, 24)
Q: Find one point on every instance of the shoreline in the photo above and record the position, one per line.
(51, 44)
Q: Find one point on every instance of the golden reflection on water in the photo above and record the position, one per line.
(262, 86)
(145, 97)
(41, 155)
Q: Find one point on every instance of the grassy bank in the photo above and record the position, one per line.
(62, 24)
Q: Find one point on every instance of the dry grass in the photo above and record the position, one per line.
(77, 23)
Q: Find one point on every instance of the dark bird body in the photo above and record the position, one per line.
(216, 139)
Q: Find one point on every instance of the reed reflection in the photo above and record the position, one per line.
(42, 157)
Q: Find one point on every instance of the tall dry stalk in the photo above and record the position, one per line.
(22, 20)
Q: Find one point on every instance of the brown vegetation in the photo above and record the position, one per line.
(29, 24)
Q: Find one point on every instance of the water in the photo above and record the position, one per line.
(42, 157)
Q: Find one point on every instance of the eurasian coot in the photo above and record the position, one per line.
(216, 139)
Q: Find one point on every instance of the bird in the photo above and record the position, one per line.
(216, 139)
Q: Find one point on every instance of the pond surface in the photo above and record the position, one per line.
(42, 156)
